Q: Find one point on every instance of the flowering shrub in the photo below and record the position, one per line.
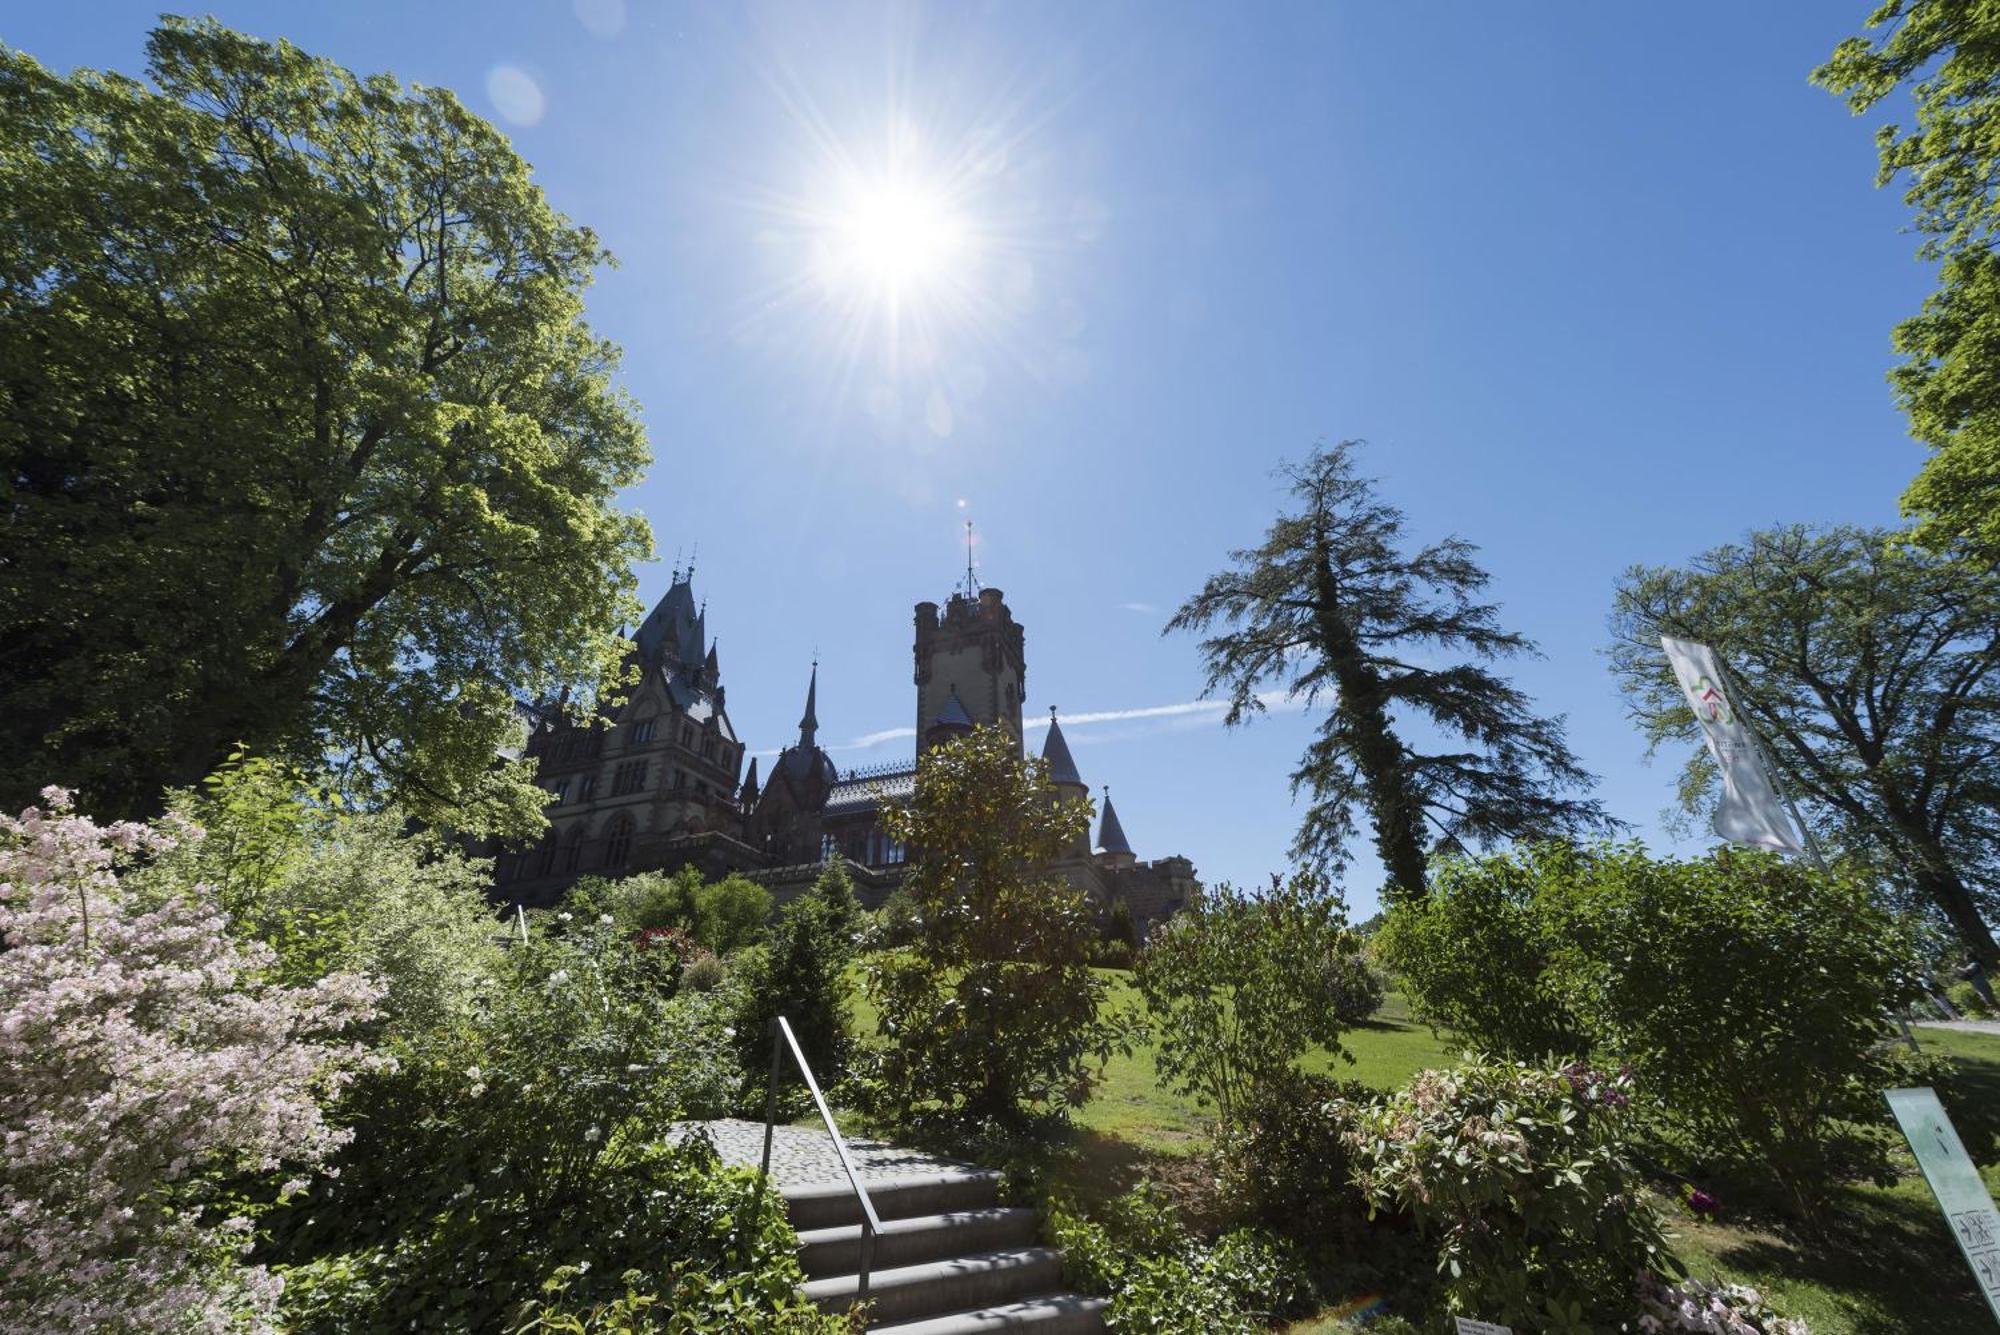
(1714, 1309)
(143, 1057)
(1518, 1178)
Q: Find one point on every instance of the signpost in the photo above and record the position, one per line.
(1955, 1182)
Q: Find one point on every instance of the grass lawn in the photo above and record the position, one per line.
(1887, 1263)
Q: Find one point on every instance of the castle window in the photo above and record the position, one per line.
(618, 842)
(560, 790)
(545, 861)
(642, 732)
(829, 848)
(629, 778)
(680, 779)
(708, 749)
(572, 855)
(687, 736)
(586, 788)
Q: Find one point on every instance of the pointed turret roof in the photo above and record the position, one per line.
(713, 666)
(809, 725)
(1110, 834)
(1055, 754)
(749, 790)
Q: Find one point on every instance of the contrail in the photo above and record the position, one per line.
(1280, 702)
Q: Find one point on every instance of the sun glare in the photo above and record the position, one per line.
(896, 236)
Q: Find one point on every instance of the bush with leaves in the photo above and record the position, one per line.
(800, 975)
(722, 916)
(993, 1014)
(1238, 988)
(1749, 993)
(332, 888)
(1162, 1280)
(530, 1138)
(1520, 1180)
(1476, 955)
(147, 1060)
(1285, 1163)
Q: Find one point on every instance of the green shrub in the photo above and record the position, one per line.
(1286, 1163)
(722, 916)
(1111, 955)
(800, 975)
(336, 890)
(896, 924)
(704, 973)
(1118, 924)
(1519, 1179)
(496, 1150)
(1749, 993)
(1475, 955)
(1354, 990)
(1238, 988)
(836, 891)
(1164, 1281)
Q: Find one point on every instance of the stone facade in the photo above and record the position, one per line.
(659, 783)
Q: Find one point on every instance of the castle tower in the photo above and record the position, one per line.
(972, 649)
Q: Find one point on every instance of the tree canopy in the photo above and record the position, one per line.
(1332, 604)
(1948, 54)
(1868, 668)
(304, 443)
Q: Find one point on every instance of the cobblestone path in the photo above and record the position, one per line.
(802, 1154)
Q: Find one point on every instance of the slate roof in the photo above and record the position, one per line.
(870, 792)
(1055, 754)
(1110, 834)
(954, 713)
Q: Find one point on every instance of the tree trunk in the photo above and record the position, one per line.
(1936, 878)
(1392, 807)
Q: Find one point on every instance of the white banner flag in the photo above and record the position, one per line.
(1751, 812)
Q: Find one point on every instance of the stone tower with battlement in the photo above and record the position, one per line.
(972, 666)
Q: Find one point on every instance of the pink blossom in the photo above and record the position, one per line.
(141, 1050)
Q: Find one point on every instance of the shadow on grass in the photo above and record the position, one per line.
(1885, 1256)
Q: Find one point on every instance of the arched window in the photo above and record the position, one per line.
(545, 856)
(618, 842)
(572, 856)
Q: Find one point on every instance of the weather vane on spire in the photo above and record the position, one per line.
(971, 580)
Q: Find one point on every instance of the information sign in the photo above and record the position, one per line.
(1955, 1182)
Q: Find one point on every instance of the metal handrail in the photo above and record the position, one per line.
(871, 1223)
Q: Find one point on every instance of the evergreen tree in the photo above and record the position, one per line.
(1331, 605)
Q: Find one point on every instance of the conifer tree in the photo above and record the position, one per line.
(1331, 606)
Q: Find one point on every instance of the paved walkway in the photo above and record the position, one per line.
(1962, 1026)
(801, 1155)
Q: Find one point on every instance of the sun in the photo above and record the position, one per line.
(895, 237)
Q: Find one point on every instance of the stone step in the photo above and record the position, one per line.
(837, 1251)
(934, 1288)
(831, 1204)
(1060, 1314)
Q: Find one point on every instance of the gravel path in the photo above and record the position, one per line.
(802, 1155)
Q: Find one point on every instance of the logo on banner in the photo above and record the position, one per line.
(1709, 703)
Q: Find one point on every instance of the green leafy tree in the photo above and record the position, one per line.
(304, 443)
(1944, 51)
(1237, 988)
(1868, 669)
(1332, 604)
(802, 975)
(992, 1013)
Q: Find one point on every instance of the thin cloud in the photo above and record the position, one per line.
(1146, 609)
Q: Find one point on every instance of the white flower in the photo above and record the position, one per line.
(604, 918)
(592, 1134)
(563, 917)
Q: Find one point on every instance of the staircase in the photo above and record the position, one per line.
(949, 1260)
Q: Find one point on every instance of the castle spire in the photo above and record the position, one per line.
(809, 725)
(1112, 845)
(1056, 757)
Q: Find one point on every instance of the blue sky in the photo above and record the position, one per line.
(1600, 284)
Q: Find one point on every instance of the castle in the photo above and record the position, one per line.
(659, 783)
